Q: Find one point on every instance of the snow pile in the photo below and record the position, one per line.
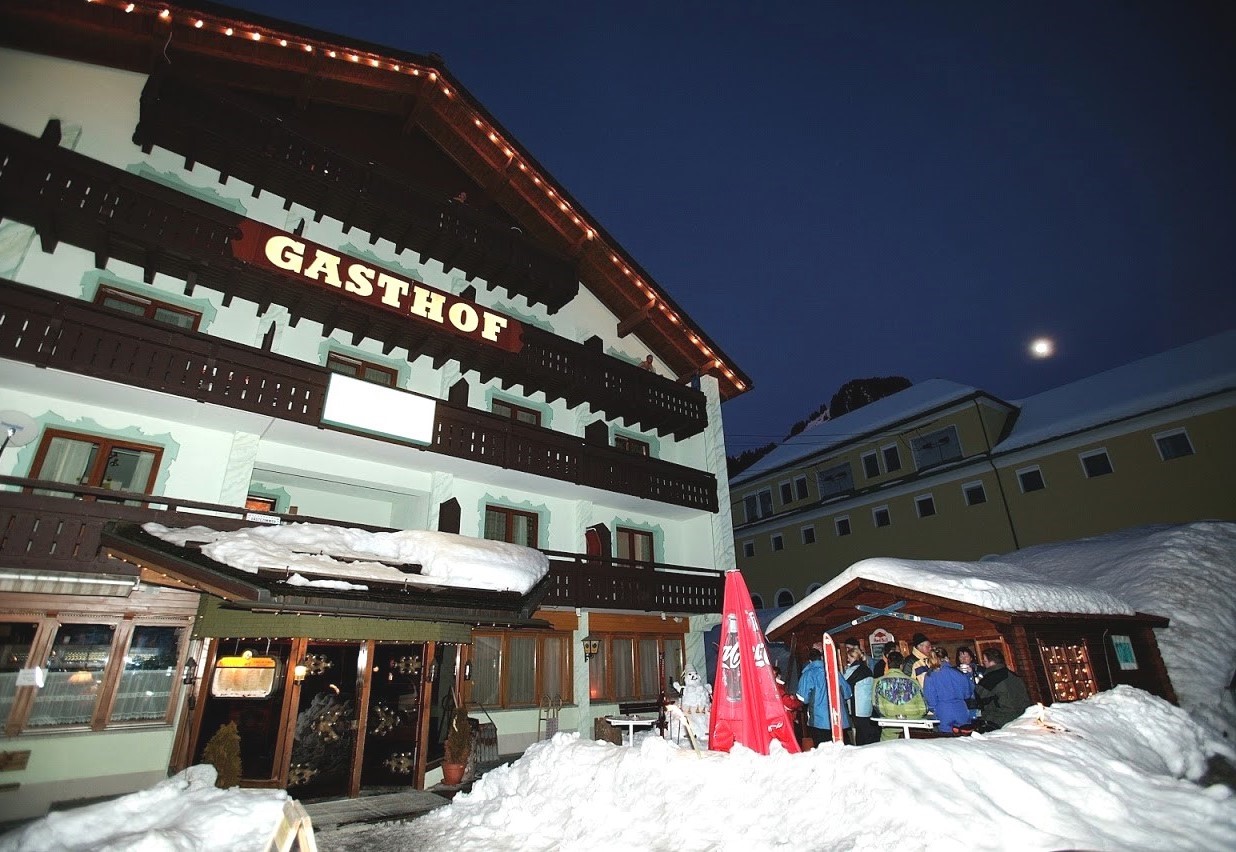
(1106, 773)
(185, 812)
(326, 555)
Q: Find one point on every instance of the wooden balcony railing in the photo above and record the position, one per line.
(46, 532)
(206, 126)
(37, 327)
(70, 198)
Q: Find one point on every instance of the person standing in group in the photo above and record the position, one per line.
(897, 695)
(918, 663)
(948, 693)
(1001, 694)
(858, 675)
(967, 665)
(813, 692)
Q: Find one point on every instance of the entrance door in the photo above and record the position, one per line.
(392, 747)
(325, 727)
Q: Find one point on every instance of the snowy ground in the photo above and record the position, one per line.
(1117, 771)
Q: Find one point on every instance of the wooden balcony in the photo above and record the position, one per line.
(44, 532)
(70, 198)
(39, 328)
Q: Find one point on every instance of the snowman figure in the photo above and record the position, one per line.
(695, 694)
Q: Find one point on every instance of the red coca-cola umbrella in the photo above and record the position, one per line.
(746, 704)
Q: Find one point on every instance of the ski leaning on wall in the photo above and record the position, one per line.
(834, 688)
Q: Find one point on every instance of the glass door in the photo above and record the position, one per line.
(392, 748)
(324, 738)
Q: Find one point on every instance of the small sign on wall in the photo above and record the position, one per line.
(876, 642)
(1124, 652)
(32, 677)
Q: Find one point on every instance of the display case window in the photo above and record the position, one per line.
(245, 676)
(1068, 671)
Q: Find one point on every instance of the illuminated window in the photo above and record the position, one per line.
(72, 457)
(627, 666)
(519, 668)
(153, 309)
(259, 504)
(511, 525)
(364, 370)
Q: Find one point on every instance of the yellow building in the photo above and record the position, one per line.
(946, 471)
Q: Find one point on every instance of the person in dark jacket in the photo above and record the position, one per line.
(1001, 694)
(947, 692)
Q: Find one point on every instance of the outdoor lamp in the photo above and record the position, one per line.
(592, 647)
(190, 673)
(298, 673)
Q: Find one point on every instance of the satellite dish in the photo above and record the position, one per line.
(19, 429)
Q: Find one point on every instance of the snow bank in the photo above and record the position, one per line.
(185, 812)
(1105, 773)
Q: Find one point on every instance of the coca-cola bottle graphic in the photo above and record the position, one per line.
(731, 661)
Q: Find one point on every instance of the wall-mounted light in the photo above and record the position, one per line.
(592, 647)
(299, 672)
(468, 670)
(190, 672)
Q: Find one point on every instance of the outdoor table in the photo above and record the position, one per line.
(924, 724)
(630, 722)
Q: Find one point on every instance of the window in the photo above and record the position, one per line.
(974, 493)
(871, 465)
(254, 503)
(813, 588)
(634, 544)
(778, 543)
(99, 462)
(758, 505)
(363, 370)
(520, 414)
(141, 306)
(808, 534)
(936, 447)
(1030, 479)
(519, 668)
(785, 597)
(1174, 444)
(880, 516)
(787, 493)
(892, 458)
(1096, 463)
(748, 549)
(627, 666)
(800, 488)
(757, 601)
(843, 525)
(511, 525)
(925, 505)
(99, 674)
(838, 479)
(631, 445)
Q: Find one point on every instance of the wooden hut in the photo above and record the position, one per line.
(1062, 656)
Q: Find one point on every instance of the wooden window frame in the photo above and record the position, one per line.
(513, 410)
(607, 694)
(148, 305)
(106, 444)
(634, 446)
(504, 637)
(511, 514)
(633, 534)
(337, 359)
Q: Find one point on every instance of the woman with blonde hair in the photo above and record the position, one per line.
(858, 674)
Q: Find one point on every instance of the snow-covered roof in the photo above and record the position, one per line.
(824, 435)
(331, 557)
(1188, 372)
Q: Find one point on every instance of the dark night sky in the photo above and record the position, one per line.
(839, 190)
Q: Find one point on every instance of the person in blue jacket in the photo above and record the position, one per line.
(813, 692)
(858, 675)
(947, 692)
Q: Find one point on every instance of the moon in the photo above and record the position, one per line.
(1042, 347)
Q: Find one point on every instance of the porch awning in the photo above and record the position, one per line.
(216, 619)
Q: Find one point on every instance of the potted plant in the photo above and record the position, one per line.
(458, 748)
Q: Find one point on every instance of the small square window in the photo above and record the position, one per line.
(1030, 479)
(1174, 444)
(880, 516)
(843, 526)
(1097, 463)
(778, 543)
(925, 505)
(787, 493)
(974, 493)
(808, 535)
(800, 488)
(871, 465)
(892, 458)
(748, 549)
